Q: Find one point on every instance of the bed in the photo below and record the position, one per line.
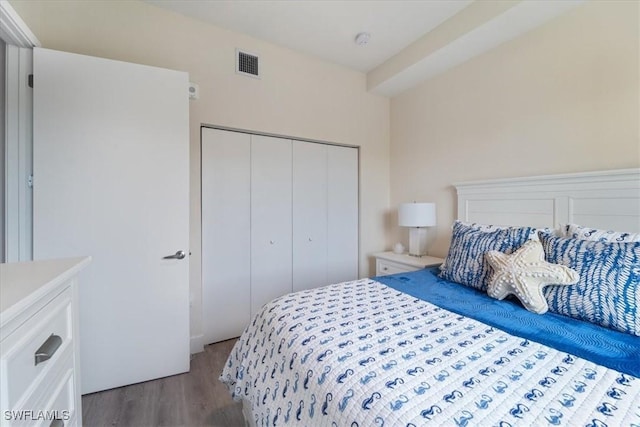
(419, 349)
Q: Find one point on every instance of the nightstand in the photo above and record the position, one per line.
(392, 263)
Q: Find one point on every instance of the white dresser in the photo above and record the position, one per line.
(39, 353)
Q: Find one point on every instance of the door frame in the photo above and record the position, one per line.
(18, 139)
(14, 30)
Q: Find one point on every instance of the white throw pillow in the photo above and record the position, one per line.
(524, 273)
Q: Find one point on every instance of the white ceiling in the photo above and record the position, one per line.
(325, 28)
(517, 20)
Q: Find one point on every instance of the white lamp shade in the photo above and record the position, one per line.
(417, 215)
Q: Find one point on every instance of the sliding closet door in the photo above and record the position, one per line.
(309, 215)
(226, 233)
(270, 219)
(342, 213)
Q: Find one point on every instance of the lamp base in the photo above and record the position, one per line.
(417, 241)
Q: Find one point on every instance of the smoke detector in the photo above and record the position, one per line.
(362, 39)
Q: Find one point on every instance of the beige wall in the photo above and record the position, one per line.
(562, 98)
(297, 96)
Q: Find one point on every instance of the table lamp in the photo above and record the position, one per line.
(417, 216)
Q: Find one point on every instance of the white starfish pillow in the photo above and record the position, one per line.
(524, 273)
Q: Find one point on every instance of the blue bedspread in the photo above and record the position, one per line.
(600, 345)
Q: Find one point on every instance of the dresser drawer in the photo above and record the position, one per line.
(21, 376)
(385, 267)
(62, 402)
(53, 399)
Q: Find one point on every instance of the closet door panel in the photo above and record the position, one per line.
(342, 213)
(226, 233)
(271, 243)
(309, 215)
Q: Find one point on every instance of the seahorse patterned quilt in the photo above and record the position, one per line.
(364, 354)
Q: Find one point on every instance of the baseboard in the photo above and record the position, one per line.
(197, 344)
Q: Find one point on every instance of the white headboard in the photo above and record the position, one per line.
(603, 199)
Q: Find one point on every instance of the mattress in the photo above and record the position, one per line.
(417, 350)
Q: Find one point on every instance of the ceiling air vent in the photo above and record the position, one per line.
(247, 64)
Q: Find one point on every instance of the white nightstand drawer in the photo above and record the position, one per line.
(20, 374)
(385, 267)
(392, 263)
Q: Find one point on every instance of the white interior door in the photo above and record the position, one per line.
(270, 219)
(309, 215)
(226, 233)
(111, 172)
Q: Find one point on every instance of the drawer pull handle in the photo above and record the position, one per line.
(48, 349)
(57, 423)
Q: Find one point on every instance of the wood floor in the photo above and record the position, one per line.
(196, 398)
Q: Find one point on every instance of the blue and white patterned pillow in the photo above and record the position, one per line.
(465, 262)
(608, 292)
(594, 234)
(488, 228)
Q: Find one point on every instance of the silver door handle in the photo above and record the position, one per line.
(177, 255)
